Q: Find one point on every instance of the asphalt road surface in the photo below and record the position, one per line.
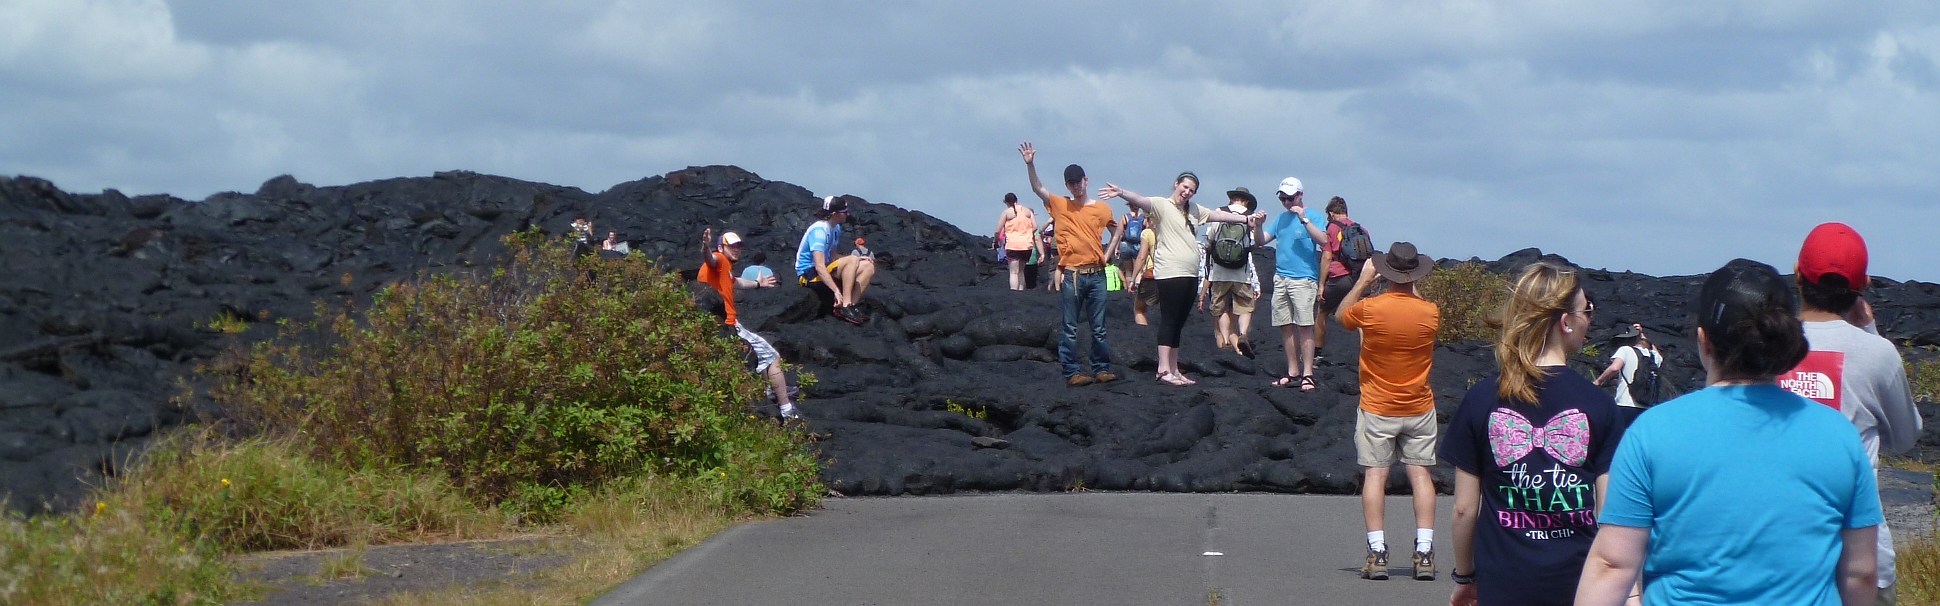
(1084, 548)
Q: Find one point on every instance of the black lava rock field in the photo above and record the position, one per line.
(108, 302)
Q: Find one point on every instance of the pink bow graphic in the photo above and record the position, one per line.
(1566, 437)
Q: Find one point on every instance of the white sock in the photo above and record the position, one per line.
(1424, 539)
(1377, 540)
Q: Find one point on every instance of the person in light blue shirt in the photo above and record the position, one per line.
(1741, 493)
(758, 271)
(1296, 236)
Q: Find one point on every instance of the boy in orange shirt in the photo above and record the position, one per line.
(717, 271)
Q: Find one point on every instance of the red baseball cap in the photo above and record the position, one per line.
(1834, 249)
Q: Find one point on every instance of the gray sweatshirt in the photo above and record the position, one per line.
(1873, 393)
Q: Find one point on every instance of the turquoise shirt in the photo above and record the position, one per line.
(1745, 490)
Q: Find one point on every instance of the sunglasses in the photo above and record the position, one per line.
(1589, 309)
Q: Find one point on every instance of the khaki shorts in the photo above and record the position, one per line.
(1293, 300)
(1376, 439)
(1232, 297)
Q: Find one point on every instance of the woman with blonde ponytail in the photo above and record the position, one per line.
(1532, 448)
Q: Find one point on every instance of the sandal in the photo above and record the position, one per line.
(1175, 380)
(1245, 348)
(1285, 381)
(1307, 383)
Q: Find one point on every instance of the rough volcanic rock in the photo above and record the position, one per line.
(107, 299)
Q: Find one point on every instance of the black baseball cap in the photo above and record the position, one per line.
(1074, 173)
(1741, 290)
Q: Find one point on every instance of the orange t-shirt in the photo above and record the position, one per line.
(1020, 228)
(1397, 351)
(722, 279)
(1079, 229)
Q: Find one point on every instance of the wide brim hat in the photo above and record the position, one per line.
(1403, 264)
(1630, 332)
(1241, 193)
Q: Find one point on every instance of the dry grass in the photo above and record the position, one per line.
(622, 532)
(1919, 572)
(346, 564)
(108, 557)
(1924, 375)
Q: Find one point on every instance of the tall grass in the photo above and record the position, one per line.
(1468, 295)
(1924, 375)
(264, 493)
(528, 386)
(107, 556)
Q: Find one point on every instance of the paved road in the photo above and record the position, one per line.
(1087, 548)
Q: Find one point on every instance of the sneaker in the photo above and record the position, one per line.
(1104, 377)
(1424, 566)
(1078, 381)
(851, 315)
(1377, 565)
(788, 411)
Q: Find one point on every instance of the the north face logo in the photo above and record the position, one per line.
(1817, 378)
(1813, 385)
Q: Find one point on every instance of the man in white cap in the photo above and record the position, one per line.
(717, 271)
(1296, 236)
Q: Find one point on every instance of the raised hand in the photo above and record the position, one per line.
(767, 281)
(1029, 153)
(1109, 191)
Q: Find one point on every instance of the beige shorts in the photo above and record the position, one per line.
(1377, 438)
(1232, 297)
(1293, 300)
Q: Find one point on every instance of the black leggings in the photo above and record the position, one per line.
(1175, 303)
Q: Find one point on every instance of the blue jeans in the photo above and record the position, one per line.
(1084, 298)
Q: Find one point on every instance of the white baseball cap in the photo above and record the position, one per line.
(1290, 186)
(730, 239)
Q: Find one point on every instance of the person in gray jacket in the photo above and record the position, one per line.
(1851, 368)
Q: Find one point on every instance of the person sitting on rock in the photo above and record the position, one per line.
(842, 280)
(758, 268)
(611, 242)
(717, 271)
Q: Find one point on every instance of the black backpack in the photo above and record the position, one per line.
(1646, 385)
(1355, 246)
(1229, 247)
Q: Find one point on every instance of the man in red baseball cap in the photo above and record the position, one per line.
(1850, 367)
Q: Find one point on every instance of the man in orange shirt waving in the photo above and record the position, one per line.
(1397, 416)
(1081, 223)
(717, 271)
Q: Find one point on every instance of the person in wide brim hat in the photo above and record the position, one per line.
(1403, 264)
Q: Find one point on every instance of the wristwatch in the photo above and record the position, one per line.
(1462, 579)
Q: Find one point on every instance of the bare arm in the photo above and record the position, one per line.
(1225, 216)
(1368, 274)
(822, 272)
(1132, 198)
(1117, 235)
(1858, 566)
(1616, 366)
(707, 255)
(1030, 165)
(1326, 259)
(1610, 573)
(1003, 221)
(1468, 506)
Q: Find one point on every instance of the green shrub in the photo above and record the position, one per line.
(1468, 295)
(527, 386)
(261, 494)
(1925, 378)
(108, 556)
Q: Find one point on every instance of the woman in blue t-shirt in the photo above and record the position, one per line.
(1741, 493)
(1531, 448)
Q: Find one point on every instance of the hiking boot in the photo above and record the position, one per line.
(1105, 377)
(1377, 565)
(1424, 566)
(1078, 381)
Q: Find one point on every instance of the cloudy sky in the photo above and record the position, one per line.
(1662, 136)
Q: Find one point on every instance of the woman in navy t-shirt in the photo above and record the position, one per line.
(1532, 449)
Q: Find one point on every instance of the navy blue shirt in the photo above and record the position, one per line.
(1538, 465)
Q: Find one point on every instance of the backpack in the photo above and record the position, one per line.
(1229, 247)
(1646, 385)
(1355, 246)
(1133, 227)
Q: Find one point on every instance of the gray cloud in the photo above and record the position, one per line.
(1658, 136)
